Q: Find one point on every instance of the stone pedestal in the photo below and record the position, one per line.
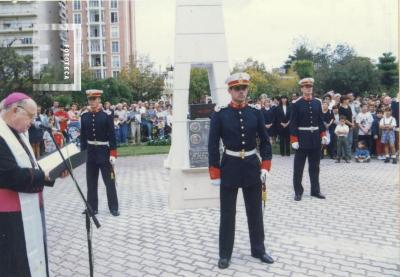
(199, 42)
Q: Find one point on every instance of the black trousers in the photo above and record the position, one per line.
(92, 177)
(284, 144)
(313, 169)
(253, 203)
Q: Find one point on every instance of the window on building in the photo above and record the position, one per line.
(115, 47)
(97, 74)
(94, 3)
(94, 16)
(77, 18)
(27, 40)
(95, 46)
(113, 4)
(77, 5)
(94, 31)
(95, 60)
(115, 32)
(115, 62)
(115, 74)
(114, 17)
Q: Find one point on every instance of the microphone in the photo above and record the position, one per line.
(46, 128)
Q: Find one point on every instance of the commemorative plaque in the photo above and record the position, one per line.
(198, 142)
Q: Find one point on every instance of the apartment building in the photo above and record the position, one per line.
(108, 34)
(19, 27)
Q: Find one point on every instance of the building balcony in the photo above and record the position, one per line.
(16, 28)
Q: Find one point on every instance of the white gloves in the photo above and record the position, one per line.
(324, 140)
(264, 174)
(295, 145)
(216, 182)
(112, 160)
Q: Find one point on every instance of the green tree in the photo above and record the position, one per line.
(15, 72)
(302, 52)
(143, 80)
(304, 68)
(389, 71)
(199, 84)
(356, 74)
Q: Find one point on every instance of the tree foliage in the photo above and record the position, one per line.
(199, 84)
(15, 72)
(389, 71)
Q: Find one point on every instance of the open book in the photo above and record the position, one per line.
(54, 163)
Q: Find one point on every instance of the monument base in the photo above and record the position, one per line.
(191, 188)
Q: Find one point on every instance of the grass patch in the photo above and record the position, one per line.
(142, 149)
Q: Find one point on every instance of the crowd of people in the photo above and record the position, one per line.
(134, 123)
(362, 127)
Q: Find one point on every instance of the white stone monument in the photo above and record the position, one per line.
(199, 42)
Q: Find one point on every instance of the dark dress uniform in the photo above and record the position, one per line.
(307, 128)
(238, 127)
(98, 138)
(284, 134)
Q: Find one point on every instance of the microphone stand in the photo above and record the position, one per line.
(88, 212)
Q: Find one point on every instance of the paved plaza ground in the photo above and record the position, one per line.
(354, 232)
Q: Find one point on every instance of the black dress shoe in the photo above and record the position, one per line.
(114, 212)
(265, 258)
(318, 195)
(297, 197)
(94, 212)
(223, 263)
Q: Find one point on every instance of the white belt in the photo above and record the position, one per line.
(241, 154)
(312, 128)
(98, 142)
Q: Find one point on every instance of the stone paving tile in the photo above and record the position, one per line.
(354, 232)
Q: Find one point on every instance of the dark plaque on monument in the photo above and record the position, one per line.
(198, 142)
(198, 111)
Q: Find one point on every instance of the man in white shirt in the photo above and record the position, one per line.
(364, 122)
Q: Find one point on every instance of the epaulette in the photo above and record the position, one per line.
(254, 106)
(294, 101)
(217, 108)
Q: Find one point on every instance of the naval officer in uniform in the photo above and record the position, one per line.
(307, 131)
(238, 125)
(98, 138)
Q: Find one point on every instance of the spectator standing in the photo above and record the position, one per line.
(122, 114)
(283, 112)
(36, 133)
(345, 110)
(364, 121)
(376, 134)
(328, 118)
(388, 125)
(342, 131)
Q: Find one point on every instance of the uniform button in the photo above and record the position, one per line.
(242, 135)
(240, 112)
(243, 142)
(242, 127)
(241, 120)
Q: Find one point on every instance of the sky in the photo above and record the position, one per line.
(269, 30)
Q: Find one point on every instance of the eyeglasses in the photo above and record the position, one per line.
(30, 115)
(239, 88)
(306, 86)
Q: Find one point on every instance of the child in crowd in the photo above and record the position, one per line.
(49, 145)
(116, 129)
(341, 132)
(376, 133)
(362, 153)
(388, 125)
